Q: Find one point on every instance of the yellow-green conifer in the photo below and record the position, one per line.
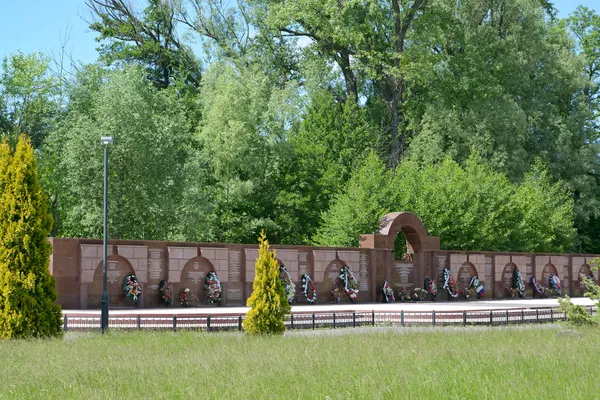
(27, 290)
(268, 301)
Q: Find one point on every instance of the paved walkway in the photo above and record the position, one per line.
(380, 307)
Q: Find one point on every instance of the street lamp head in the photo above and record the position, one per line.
(106, 140)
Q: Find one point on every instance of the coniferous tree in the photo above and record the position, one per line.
(268, 301)
(27, 290)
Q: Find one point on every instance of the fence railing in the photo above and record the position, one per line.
(321, 319)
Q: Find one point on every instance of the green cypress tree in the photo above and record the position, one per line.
(268, 302)
(27, 290)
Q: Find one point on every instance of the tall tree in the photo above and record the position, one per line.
(27, 97)
(27, 290)
(149, 37)
(151, 145)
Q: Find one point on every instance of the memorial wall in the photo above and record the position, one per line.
(77, 266)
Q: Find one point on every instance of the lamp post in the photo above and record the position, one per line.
(105, 141)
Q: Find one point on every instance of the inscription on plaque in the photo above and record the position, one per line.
(234, 266)
(488, 270)
(507, 274)
(112, 272)
(363, 273)
(196, 276)
(302, 267)
(334, 273)
(464, 275)
(528, 266)
(155, 264)
(404, 270)
(234, 294)
(441, 265)
(546, 275)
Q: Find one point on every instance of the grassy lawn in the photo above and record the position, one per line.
(472, 363)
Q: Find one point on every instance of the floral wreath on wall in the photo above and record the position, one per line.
(166, 294)
(450, 284)
(350, 284)
(308, 288)
(517, 282)
(554, 282)
(538, 289)
(132, 287)
(431, 287)
(388, 293)
(288, 284)
(212, 287)
(478, 286)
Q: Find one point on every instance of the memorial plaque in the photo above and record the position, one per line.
(302, 257)
(403, 271)
(364, 273)
(507, 274)
(155, 271)
(112, 272)
(464, 275)
(548, 269)
(234, 266)
(488, 271)
(196, 276)
(234, 294)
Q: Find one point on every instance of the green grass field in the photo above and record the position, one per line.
(516, 362)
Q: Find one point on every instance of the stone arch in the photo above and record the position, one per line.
(330, 281)
(413, 229)
(192, 277)
(117, 269)
(548, 269)
(507, 274)
(584, 270)
(464, 275)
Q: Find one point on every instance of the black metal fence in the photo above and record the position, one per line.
(321, 319)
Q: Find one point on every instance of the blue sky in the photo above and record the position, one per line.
(37, 26)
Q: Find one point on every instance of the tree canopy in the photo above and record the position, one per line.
(312, 119)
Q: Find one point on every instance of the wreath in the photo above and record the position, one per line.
(450, 284)
(166, 294)
(308, 288)
(388, 293)
(555, 284)
(517, 282)
(539, 290)
(431, 287)
(288, 284)
(350, 284)
(132, 287)
(478, 286)
(212, 287)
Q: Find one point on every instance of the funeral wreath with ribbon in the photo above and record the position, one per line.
(350, 284)
(132, 287)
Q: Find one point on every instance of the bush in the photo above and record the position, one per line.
(27, 290)
(268, 301)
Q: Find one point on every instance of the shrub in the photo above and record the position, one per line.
(577, 314)
(27, 290)
(268, 301)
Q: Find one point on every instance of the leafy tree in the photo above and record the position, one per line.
(242, 141)
(151, 147)
(148, 37)
(27, 290)
(268, 303)
(332, 140)
(27, 97)
(471, 208)
(365, 199)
